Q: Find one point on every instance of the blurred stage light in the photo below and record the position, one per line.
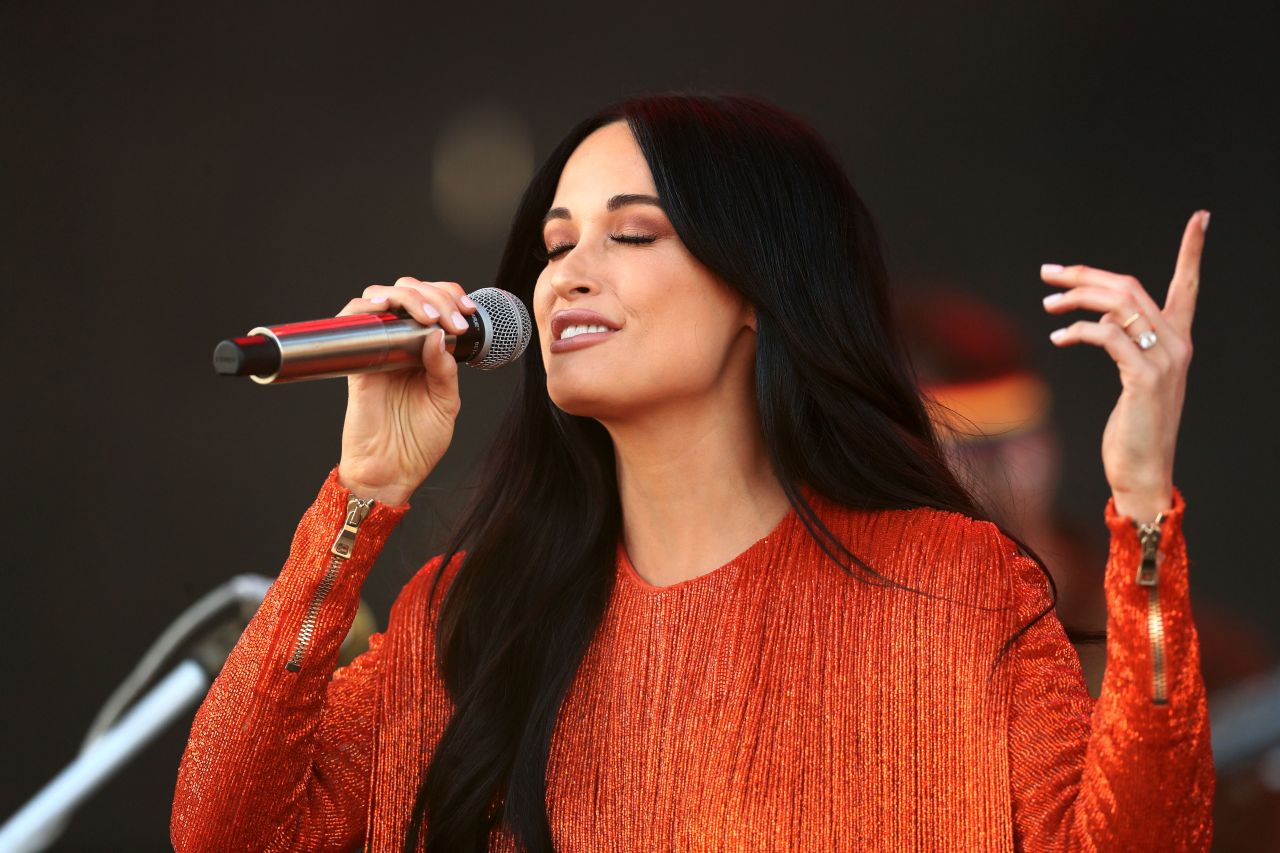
(480, 164)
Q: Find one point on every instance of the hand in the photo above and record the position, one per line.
(1141, 434)
(398, 424)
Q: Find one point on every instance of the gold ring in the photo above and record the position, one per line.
(1127, 323)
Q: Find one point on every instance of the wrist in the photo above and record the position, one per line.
(1143, 507)
(390, 495)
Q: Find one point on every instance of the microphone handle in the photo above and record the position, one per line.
(341, 346)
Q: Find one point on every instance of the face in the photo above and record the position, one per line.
(660, 328)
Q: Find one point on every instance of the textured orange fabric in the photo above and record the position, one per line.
(772, 704)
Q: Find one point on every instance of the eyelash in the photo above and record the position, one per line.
(560, 248)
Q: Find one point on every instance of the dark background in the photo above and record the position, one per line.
(177, 173)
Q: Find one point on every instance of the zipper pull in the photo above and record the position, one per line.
(357, 510)
(1149, 536)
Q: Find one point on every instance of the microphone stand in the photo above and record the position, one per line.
(116, 738)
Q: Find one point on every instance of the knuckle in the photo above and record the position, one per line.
(406, 281)
(452, 287)
(371, 290)
(1110, 333)
(1179, 353)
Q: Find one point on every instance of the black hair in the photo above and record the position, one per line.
(756, 197)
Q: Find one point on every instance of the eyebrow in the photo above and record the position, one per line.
(614, 203)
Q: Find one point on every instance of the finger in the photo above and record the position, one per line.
(1100, 299)
(1131, 360)
(1080, 275)
(1114, 306)
(365, 305)
(462, 304)
(1180, 304)
(426, 304)
(383, 298)
(441, 372)
(459, 295)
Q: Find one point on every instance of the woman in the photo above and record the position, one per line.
(719, 588)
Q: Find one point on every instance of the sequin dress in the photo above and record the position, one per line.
(772, 704)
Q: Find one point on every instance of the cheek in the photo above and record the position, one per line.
(542, 299)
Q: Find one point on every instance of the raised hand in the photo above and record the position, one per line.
(1151, 346)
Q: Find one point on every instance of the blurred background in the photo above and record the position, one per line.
(174, 174)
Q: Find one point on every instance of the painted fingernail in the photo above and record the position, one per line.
(378, 299)
(1052, 299)
(1204, 221)
(430, 311)
(1050, 268)
(459, 322)
(466, 302)
(1057, 335)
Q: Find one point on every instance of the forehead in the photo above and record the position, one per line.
(606, 163)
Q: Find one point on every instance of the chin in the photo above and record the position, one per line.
(581, 399)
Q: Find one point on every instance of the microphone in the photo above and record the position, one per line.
(497, 335)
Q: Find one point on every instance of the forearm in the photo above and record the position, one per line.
(1132, 771)
(247, 775)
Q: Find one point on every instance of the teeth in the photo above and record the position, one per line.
(572, 331)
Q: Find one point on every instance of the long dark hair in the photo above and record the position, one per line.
(756, 197)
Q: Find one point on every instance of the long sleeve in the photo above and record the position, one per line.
(1132, 771)
(280, 750)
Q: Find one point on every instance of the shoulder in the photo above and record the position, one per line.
(937, 551)
(426, 589)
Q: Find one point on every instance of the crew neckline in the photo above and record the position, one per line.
(752, 552)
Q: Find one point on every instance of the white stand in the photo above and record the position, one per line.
(42, 818)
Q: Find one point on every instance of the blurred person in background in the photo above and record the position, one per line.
(992, 414)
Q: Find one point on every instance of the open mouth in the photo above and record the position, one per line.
(574, 331)
(577, 337)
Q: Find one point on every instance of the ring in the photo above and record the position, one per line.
(1127, 323)
(1146, 340)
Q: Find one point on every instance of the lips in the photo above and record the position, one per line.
(578, 321)
(562, 320)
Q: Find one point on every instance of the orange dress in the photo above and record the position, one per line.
(772, 704)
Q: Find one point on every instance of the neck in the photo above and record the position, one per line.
(695, 485)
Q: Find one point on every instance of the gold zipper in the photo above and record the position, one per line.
(340, 551)
(1149, 536)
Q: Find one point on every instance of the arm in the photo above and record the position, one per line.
(1133, 771)
(280, 749)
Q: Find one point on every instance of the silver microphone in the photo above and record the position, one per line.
(498, 333)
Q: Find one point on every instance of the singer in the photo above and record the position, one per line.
(719, 589)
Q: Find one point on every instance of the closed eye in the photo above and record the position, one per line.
(560, 248)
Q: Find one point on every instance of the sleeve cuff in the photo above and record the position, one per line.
(377, 525)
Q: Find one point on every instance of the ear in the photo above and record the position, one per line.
(751, 318)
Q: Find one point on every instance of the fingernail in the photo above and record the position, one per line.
(1204, 221)
(1052, 299)
(466, 302)
(1050, 268)
(459, 321)
(430, 311)
(440, 338)
(378, 299)
(1057, 335)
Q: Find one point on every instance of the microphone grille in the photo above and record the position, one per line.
(509, 327)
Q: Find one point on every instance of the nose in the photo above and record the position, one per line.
(571, 277)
